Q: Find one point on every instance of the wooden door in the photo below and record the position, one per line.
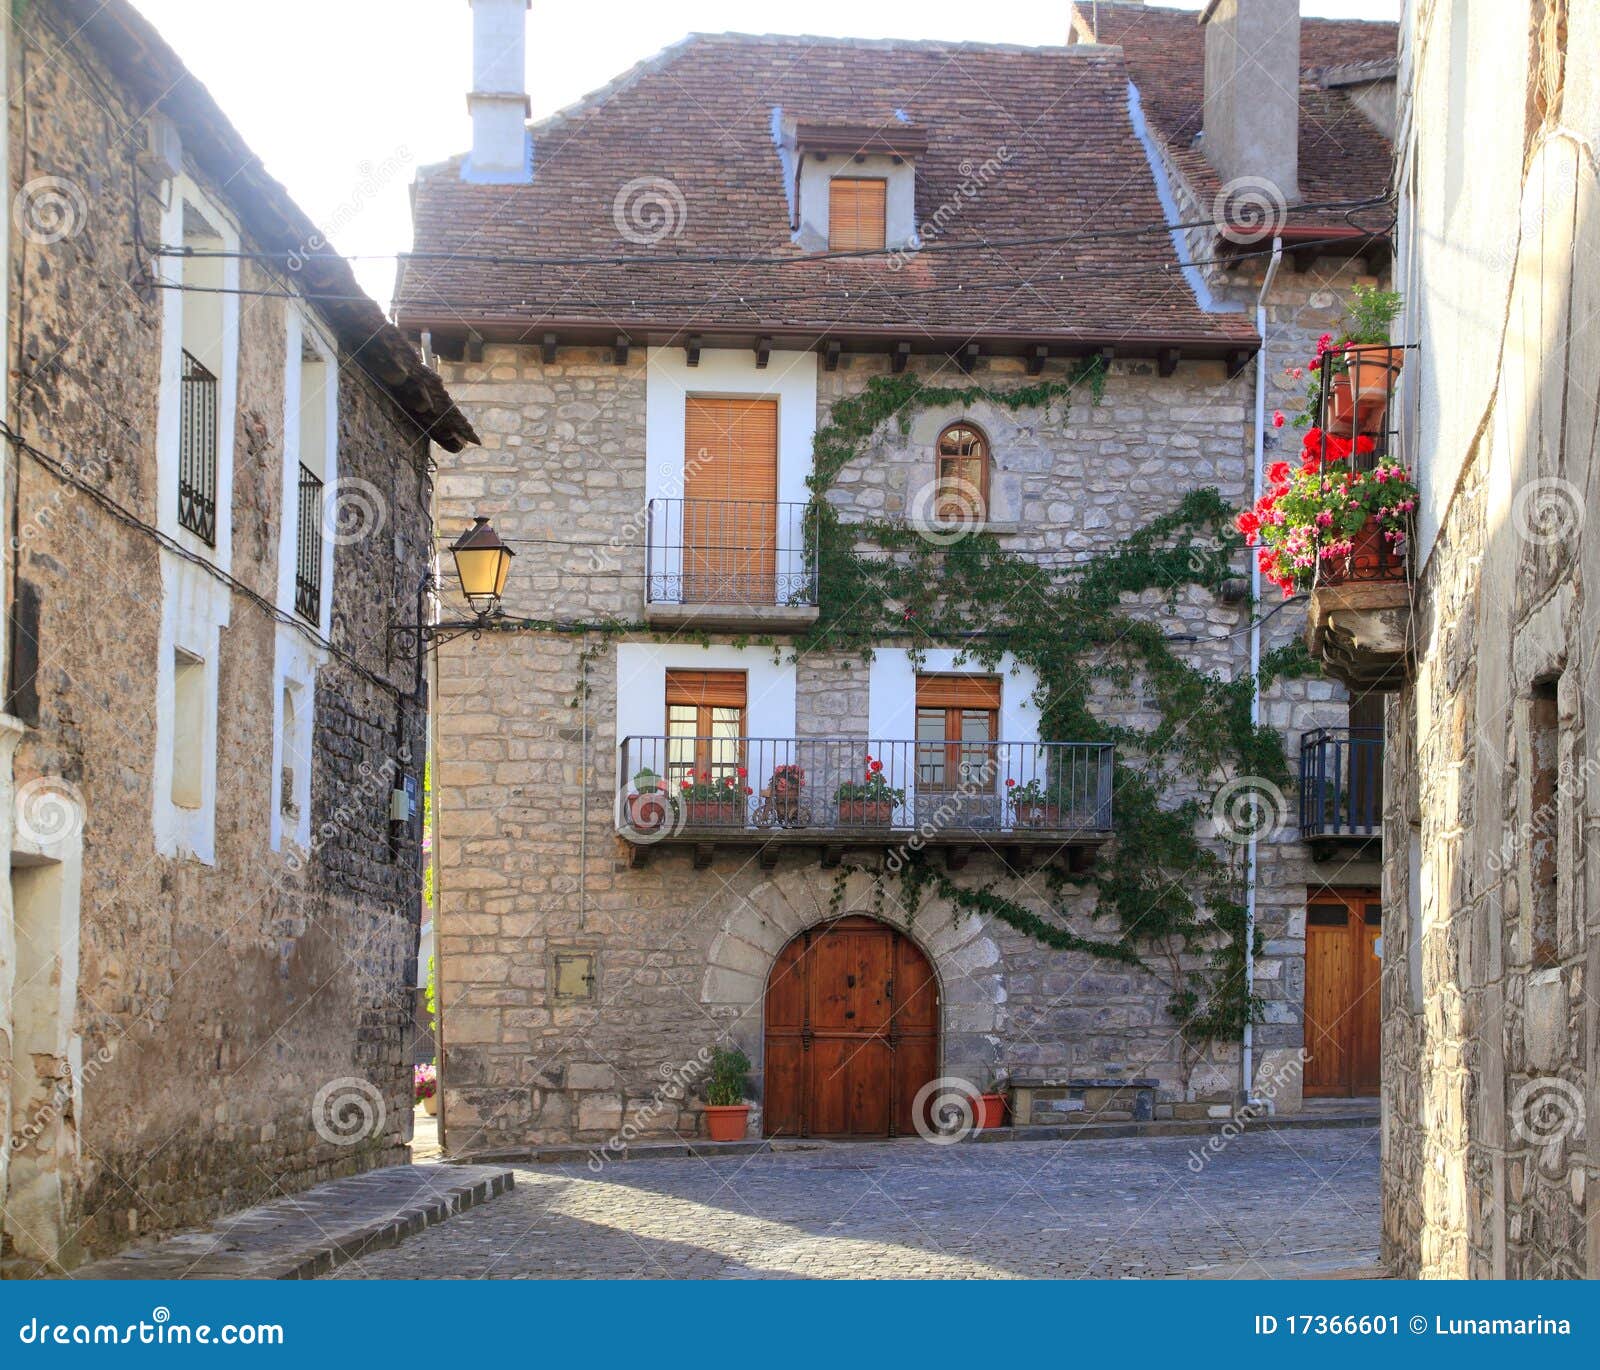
(730, 492)
(852, 1032)
(1342, 1012)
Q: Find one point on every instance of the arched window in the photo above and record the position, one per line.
(963, 477)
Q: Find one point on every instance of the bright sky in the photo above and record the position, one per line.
(344, 99)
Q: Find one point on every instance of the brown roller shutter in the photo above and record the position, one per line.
(958, 691)
(855, 214)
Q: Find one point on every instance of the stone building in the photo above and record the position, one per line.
(792, 355)
(217, 481)
(1491, 1033)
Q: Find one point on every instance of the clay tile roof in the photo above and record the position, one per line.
(1343, 156)
(136, 54)
(1020, 143)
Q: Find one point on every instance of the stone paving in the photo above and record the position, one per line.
(1267, 1205)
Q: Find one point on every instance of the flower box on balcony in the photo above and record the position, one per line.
(865, 813)
(1037, 814)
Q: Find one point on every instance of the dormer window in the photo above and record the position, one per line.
(856, 214)
(853, 186)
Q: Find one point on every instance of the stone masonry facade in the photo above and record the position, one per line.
(530, 867)
(1491, 1032)
(214, 999)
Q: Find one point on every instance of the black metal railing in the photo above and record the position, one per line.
(197, 450)
(308, 549)
(1341, 783)
(749, 553)
(672, 786)
(1356, 410)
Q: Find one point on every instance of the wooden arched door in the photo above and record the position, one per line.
(852, 1032)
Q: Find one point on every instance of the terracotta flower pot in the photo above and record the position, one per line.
(991, 1111)
(1341, 403)
(727, 1122)
(430, 1105)
(1373, 558)
(1372, 372)
(865, 813)
(1035, 814)
(712, 813)
(647, 810)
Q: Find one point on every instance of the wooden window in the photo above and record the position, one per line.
(963, 475)
(705, 725)
(855, 214)
(958, 719)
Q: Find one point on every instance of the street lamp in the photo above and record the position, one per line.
(482, 564)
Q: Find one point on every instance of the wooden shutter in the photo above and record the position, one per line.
(730, 513)
(958, 691)
(855, 214)
(724, 689)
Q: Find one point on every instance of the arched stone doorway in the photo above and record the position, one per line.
(851, 1032)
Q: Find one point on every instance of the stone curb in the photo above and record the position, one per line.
(1083, 1132)
(313, 1232)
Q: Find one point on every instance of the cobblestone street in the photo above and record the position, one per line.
(1269, 1204)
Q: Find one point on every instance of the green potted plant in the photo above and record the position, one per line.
(1036, 804)
(870, 801)
(1370, 361)
(425, 1086)
(713, 802)
(992, 1104)
(727, 1113)
(647, 805)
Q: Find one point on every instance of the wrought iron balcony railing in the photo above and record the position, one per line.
(738, 553)
(197, 450)
(308, 549)
(1341, 784)
(823, 789)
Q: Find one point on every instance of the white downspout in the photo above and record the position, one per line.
(1248, 1052)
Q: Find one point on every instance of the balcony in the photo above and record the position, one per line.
(1358, 621)
(1020, 800)
(736, 565)
(1341, 788)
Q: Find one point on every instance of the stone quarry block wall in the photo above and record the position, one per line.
(529, 865)
(214, 1001)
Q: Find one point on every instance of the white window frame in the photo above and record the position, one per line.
(299, 332)
(195, 605)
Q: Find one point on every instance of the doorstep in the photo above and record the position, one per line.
(310, 1233)
(1175, 1127)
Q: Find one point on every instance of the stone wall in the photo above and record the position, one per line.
(213, 1001)
(1490, 1027)
(531, 869)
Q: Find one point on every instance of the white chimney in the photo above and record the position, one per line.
(1252, 100)
(499, 97)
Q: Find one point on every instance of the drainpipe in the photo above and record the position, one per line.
(1248, 1052)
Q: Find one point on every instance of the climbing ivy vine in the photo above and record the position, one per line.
(1162, 893)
